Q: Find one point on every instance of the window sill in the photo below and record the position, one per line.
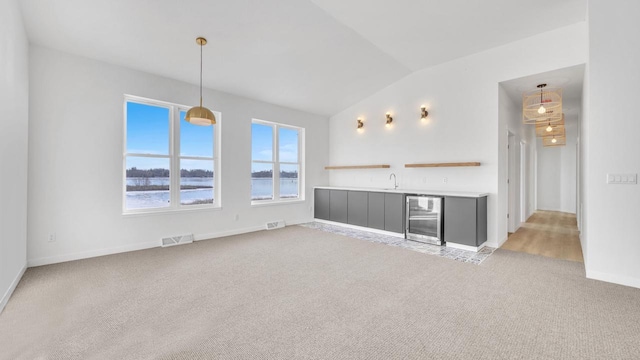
(169, 211)
(260, 203)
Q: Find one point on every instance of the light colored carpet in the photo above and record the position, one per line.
(299, 293)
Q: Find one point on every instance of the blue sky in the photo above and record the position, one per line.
(147, 129)
(148, 133)
(262, 147)
(262, 143)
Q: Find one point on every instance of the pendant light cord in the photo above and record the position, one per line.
(200, 74)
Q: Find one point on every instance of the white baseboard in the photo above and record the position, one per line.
(220, 234)
(246, 230)
(466, 247)
(496, 245)
(91, 253)
(12, 287)
(356, 227)
(612, 278)
(559, 210)
(145, 245)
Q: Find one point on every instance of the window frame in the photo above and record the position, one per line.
(174, 157)
(275, 160)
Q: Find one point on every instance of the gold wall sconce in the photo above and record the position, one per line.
(423, 113)
(360, 124)
(389, 120)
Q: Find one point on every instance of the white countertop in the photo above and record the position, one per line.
(470, 194)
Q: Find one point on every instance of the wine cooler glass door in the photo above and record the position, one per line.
(424, 216)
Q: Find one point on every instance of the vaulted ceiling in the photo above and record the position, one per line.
(319, 56)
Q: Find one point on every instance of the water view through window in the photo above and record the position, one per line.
(153, 192)
(148, 192)
(267, 139)
(148, 160)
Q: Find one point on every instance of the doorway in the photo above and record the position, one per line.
(541, 193)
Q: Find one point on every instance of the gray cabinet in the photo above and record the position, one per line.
(465, 220)
(321, 204)
(357, 207)
(338, 203)
(376, 211)
(394, 212)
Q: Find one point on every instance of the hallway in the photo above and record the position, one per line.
(548, 233)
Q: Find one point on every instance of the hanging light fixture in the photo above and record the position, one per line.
(542, 128)
(199, 115)
(549, 128)
(555, 140)
(542, 105)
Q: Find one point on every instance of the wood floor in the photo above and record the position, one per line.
(548, 233)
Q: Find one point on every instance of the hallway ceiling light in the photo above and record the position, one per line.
(555, 140)
(556, 131)
(360, 124)
(199, 115)
(542, 128)
(543, 105)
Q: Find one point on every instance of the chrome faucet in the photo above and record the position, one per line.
(395, 182)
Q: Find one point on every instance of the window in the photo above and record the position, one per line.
(276, 166)
(169, 164)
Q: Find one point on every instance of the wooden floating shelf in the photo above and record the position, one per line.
(357, 167)
(442, 165)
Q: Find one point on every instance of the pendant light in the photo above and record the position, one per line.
(199, 115)
(541, 109)
(555, 140)
(557, 128)
(549, 128)
(543, 105)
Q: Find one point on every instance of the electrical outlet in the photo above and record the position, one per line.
(237, 217)
(52, 237)
(424, 180)
(445, 180)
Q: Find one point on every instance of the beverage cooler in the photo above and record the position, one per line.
(424, 219)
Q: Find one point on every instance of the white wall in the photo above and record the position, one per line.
(583, 165)
(568, 173)
(14, 94)
(511, 114)
(557, 173)
(612, 129)
(76, 125)
(464, 125)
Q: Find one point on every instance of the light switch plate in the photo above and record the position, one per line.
(628, 179)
